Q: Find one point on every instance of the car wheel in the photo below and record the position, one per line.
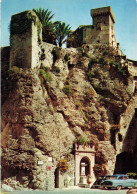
(119, 187)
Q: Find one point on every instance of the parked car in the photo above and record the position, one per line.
(118, 182)
(100, 180)
(134, 190)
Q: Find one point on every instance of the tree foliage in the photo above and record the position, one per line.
(52, 32)
(45, 17)
(61, 30)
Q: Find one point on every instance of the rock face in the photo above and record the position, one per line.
(69, 94)
(42, 118)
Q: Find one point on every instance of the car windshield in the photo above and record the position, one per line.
(111, 177)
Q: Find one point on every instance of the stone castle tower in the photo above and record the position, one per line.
(101, 32)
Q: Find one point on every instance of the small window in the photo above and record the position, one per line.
(99, 26)
(120, 138)
(125, 177)
(121, 178)
(136, 112)
(136, 86)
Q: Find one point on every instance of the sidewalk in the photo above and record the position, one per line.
(71, 188)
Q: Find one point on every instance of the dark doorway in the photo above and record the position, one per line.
(56, 175)
(87, 165)
(124, 163)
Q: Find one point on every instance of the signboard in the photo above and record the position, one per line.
(49, 159)
(39, 162)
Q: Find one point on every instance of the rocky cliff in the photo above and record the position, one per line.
(76, 95)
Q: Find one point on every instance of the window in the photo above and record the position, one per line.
(99, 26)
(120, 137)
(136, 112)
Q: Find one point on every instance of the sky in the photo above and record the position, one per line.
(77, 12)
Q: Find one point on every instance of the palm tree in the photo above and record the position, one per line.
(45, 17)
(61, 30)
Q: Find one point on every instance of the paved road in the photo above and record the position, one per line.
(70, 191)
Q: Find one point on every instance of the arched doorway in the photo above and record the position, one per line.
(56, 175)
(84, 166)
(84, 162)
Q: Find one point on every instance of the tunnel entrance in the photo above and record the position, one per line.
(124, 163)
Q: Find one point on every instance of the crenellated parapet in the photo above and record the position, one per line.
(103, 11)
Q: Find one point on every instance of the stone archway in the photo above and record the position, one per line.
(84, 156)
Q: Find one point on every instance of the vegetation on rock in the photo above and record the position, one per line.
(67, 89)
(45, 74)
(63, 165)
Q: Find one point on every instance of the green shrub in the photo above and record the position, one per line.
(14, 69)
(56, 69)
(102, 60)
(84, 116)
(82, 141)
(112, 63)
(98, 168)
(46, 75)
(79, 49)
(42, 57)
(77, 104)
(90, 93)
(68, 90)
(103, 83)
(93, 60)
(122, 70)
(100, 98)
(66, 57)
(132, 174)
(56, 53)
(91, 74)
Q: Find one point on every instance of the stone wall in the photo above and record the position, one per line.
(24, 50)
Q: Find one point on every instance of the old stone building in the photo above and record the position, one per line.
(101, 32)
(44, 115)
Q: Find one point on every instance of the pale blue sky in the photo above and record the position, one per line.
(77, 12)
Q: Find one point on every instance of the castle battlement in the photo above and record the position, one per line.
(103, 11)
